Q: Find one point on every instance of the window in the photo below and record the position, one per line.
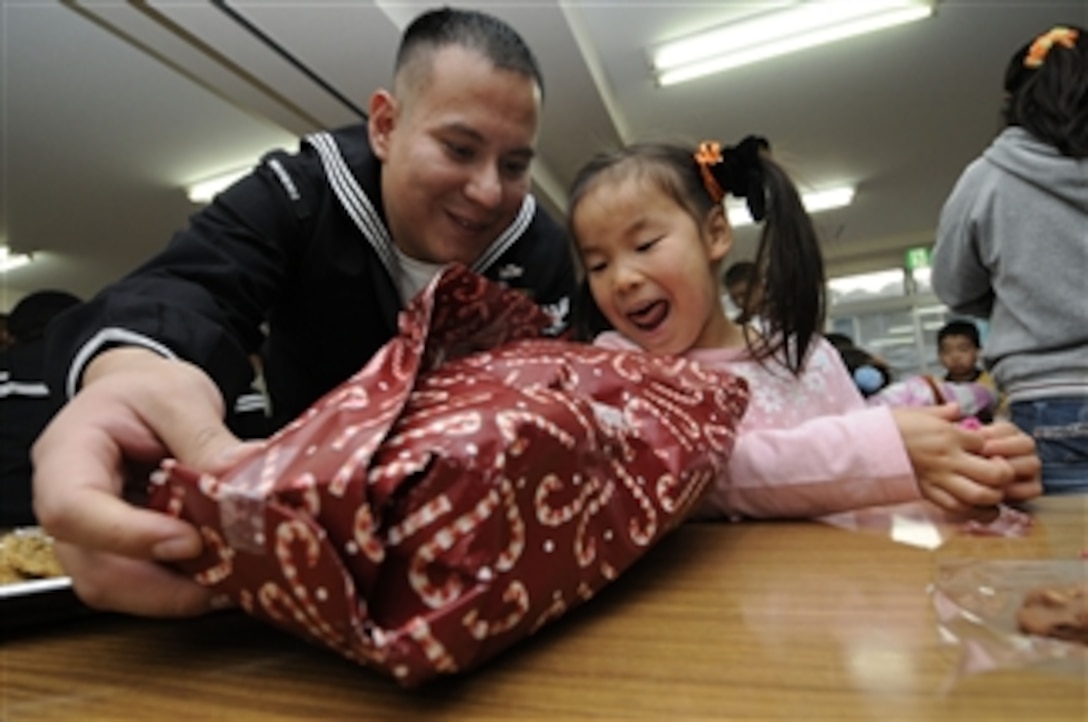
(892, 314)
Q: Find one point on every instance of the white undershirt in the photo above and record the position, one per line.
(413, 275)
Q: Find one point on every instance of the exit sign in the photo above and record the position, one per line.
(919, 257)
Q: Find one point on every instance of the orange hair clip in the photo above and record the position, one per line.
(710, 154)
(1066, 37)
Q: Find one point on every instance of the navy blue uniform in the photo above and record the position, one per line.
(295, 263)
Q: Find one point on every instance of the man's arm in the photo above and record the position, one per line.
(202, 299)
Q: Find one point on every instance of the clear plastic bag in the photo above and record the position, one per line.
(921, 524)
(976, 604)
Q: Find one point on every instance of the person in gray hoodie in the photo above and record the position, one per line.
(1012, 246)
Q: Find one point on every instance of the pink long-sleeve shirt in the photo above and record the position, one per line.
(806, 446)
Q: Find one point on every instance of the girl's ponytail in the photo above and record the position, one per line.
(788, 258)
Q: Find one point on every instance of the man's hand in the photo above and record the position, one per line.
(135, 409)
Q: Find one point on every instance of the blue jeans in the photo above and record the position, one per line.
(1060, 428)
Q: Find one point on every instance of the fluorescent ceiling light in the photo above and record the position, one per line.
(800, 26)
(204, 191)
(9, 260)
(814, 202)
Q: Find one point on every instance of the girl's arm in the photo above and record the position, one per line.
(870, 458)
(825, 465)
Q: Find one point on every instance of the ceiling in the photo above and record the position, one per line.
(109, 109)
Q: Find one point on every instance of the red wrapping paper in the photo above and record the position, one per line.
(471, 483)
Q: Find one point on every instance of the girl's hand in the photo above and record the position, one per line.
(1006, 441)
(949, 461)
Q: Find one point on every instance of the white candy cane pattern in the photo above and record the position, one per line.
(418, 519)
(462, 424)
(553, 611)
(298, 604)
(550, 515)
(673, 494)
(436, 652)
(592, 495)
(515, 528)
(663, 417)
(223, 554)
(515, 595)
(509, 424)
(641, 534)
(366, 537)
(436, 595)
(546, 396)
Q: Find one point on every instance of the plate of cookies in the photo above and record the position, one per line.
(33, 586)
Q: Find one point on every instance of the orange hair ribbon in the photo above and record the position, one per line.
(710, 154)
(1066, 37)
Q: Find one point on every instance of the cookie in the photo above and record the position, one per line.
(1056, 611)
(27, 556)
(7, 574)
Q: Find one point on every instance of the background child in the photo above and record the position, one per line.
(26, 402)
(874, 380)
(870, 374)
(652, 233)
(1012, 246)
(742, 284)
(958, 349)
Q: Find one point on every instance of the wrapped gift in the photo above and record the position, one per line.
(473, 482)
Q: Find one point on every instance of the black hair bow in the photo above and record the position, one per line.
(741, 173)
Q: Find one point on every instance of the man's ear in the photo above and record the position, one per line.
(719, 234)
(380, 124)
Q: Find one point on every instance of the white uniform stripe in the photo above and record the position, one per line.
(250, 402)
(112, 335)
(353, 199)
(25, 389)
(509, 236)
(348, 189)
(358, 205)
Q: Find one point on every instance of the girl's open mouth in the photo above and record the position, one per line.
(650, 316)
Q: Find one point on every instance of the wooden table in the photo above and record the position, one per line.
(752, 621)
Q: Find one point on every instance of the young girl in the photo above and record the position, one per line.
(1012, 246)
(652, 233)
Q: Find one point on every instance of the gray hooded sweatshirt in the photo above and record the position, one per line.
(1012, 246)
